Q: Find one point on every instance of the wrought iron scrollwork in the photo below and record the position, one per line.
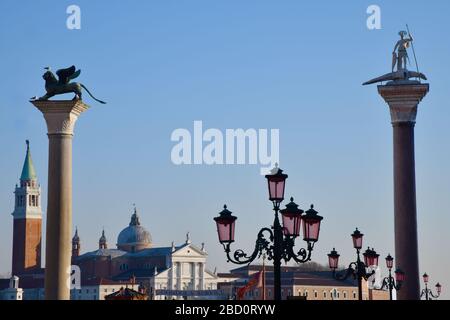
(264, 244)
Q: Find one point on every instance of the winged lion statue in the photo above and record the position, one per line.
(63, 85)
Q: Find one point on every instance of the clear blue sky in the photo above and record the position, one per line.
(289, 65)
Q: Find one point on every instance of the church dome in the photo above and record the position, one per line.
(134, 237)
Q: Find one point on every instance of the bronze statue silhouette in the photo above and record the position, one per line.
(400, 58)
(63, 85)
(402, 75)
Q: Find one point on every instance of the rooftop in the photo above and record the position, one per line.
(28, 172)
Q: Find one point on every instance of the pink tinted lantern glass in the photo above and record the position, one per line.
(333, 259)
(367, 259)
(276, 190)
(311, 225)
(438, 288)
(370, 257)
(357, 237)
(311, 230)
(292, 218)
(375, 258)
(276, 183)
(225, 225)
(389, 261)
(425, 278)
(291, 225)
(400, 276)
(225, 230)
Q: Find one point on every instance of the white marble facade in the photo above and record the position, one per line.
(186, 271)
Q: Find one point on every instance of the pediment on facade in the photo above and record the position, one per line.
(189, 250)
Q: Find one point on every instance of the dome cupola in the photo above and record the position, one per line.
(134, 237)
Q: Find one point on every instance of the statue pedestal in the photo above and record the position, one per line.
(403, 101)
(60, 117)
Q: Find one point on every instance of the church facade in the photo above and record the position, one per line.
(177, 269)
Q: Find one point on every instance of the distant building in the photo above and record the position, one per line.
(27, 215)
(296, 282)
(12, 291)
(98, 289)
(180, 268)
(27, 235)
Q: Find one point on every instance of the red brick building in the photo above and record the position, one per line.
(26, 255)
(179, 268)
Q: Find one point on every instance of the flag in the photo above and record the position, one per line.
(254, 281)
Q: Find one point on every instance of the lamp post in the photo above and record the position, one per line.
(279, 245)
(389, 282)
(358, 268)
(427, 292)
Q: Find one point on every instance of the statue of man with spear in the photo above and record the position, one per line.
(400, 57)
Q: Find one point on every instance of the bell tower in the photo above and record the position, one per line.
(102, 244)
(27, 233)
(76, 244)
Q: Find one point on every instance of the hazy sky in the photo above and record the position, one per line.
(287, 65)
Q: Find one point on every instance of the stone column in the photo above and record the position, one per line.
(193, 275)
(403, 101)
(60, 117)
(202, 276)
(180, 276)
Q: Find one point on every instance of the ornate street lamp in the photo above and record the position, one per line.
(276, 182)
(356, 269)
(425, 278)
(333, 259)
(311, 225)
(225, 226)
(427, 292)
(292, 218)
(370, 257)
(357, 238)
(280, 241)
(389, 282)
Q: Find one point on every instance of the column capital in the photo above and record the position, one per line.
(60, 115)
(403, 100)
